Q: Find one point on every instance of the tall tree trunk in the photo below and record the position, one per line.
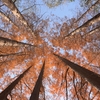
(5, 32)
(84, 14)
(7, 18)
(9, 42)
(94, 30)
(92, 7)
(4, 94)
(89, 22)
(16, 12)
(36, 90)
(90, 76)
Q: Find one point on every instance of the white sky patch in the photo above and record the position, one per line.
(69, 91)
(55, 48)
(54, 68)
(47, 83)
(24, 40)
(89, 88)
(71, 51)
(78, 54)
(62, 51)
(76, 80)
(91, 95)
(46, 40)
(52, 79)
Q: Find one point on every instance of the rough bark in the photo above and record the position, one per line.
(90, 76)
(36, 90)
(4, 94)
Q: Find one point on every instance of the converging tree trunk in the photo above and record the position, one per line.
(36, 90)
(94, 30)
(16, 12)
(92, 7)
(93, 20)
(7, 18)
(9, 42)
(4, 94)
(90, 76)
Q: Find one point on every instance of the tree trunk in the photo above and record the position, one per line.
(90, 76)
(9, 42)
(36, 90)
(94, 30)
(92, 7)
(7, 18)
(89, 22)
(16, 12)
(4, 94)
(5, 32)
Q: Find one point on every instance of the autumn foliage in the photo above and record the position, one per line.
(39, 57)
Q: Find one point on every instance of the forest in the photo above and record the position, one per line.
(48, 57)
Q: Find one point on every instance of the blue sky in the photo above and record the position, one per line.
(68, 9)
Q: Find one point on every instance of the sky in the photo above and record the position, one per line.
(68, 9)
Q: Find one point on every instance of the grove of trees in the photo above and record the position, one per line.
(49, 58)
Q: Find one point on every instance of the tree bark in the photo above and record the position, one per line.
(10, 4)
(4, 94)
(94, 30)
(98, 1)
(9, 42)
(89, 22)
(90, 76)
(7, 18)
(36, 90)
